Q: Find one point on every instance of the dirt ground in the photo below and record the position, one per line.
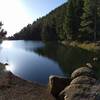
(14, 88)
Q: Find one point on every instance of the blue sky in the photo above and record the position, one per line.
(38, 8)
(15, 14)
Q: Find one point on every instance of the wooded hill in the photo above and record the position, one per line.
(74, 20)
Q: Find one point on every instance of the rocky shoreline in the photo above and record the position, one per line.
(82, 85)
(15, 88)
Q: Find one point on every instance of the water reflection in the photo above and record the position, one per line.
(36, 69)
(27, 64)
(6, 45)
(69, 58)
(25, 45)
(36, 61)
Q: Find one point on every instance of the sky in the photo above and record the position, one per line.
(16, 14)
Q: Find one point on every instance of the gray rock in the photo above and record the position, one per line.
(76, 92)
(83, 80)
(82, 87)
(83, 71)
(57, 84)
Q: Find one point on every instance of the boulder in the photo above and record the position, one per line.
(83, 80)
(77, 92)
(83, 71)
(57, 84)
(82, 86)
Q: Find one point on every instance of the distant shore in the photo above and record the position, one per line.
(92, 46)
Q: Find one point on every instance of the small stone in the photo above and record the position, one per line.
(66, 96)
(89, 65)
(95, 59)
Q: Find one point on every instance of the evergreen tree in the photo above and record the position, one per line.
(69, 20)
(50, 26)
(98, 19)
(49, 31)
(65, 30)
(89, 20)
(2, 32)
(1, 25)
(72, 20)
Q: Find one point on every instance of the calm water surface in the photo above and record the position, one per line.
(36, 61)
(26, 63)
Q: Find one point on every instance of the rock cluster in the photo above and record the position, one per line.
(83, 86)
(57, 84)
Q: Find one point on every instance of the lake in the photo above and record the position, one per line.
(36, 61)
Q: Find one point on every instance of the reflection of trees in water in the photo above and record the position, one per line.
(69, 58)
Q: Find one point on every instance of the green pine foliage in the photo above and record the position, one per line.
(74, 20)
(46, 28)
(3, 33)
(98, 19)
(89, 20)
(49, 31)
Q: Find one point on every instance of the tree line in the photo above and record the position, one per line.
(74, 20)
(83, 20)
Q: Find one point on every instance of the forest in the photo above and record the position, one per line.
(74, 20)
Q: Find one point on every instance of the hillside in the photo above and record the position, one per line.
(75, 20)
(52, 24)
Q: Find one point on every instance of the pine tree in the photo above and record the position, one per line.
(65, 30)
(2, 32)
(72, 20)
(69, 20)
(49, 31)
(1, 25)
(98, 19)
(89, 20)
